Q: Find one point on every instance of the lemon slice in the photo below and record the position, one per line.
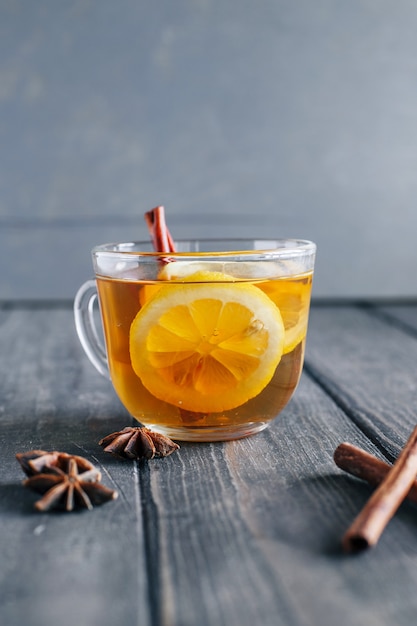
(292, 297)
(189, 273)
(290, 294)
(207, 348)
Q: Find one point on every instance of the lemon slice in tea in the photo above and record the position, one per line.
(207, 347)
(292, 297)
(188, 272)
(290, 294)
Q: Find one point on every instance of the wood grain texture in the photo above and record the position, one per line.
(241, 533)
(60, 258)
(63, 568)
(60, 249)
(283, 113)
(368, 366)
(405, 315)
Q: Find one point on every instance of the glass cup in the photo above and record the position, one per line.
(205, 343)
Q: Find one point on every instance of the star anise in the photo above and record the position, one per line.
(138, 443)
(65, 481)
(37, 461)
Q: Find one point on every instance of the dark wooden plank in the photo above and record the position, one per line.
(244, 533)
(404, 314)
(49, 259)
(60, 260)
(84, 567)
(249, 531)
(368, 365)
(106, 107)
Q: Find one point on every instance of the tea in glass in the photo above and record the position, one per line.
(210, 345)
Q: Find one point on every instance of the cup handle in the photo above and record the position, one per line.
(86, 327)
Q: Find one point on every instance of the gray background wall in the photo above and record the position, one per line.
(277, 117)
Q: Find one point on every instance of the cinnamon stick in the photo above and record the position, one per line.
(368, 526)
(363, 465)
(162, 241)
(161, 237)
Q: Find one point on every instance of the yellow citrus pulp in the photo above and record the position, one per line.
(292, 298)
(182, 272)
(206, 347)
(290, 294)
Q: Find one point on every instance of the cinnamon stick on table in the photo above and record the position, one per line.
(363, 465)
(368, 526)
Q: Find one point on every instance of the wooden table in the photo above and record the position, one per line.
(240, 533)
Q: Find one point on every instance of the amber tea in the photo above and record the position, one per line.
(205, 348)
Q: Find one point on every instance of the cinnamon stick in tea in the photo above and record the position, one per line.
(161, 237)
(368, 526)
(363, 465)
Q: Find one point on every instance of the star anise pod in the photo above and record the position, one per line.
(38, 461)
(65, 481)
(138, 443)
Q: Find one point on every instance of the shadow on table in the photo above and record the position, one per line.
(14, 498)
(339, 500)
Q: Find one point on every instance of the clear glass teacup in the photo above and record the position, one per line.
(205, 343)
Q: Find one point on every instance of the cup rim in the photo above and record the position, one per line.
(269, 247)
